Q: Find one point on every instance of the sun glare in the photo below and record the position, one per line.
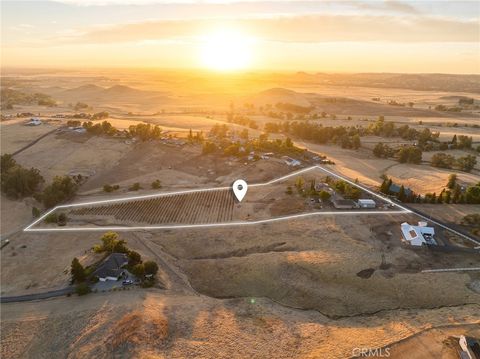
(226, 50)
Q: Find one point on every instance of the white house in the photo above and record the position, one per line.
(34, 121)
(418, 235)
(367, 203)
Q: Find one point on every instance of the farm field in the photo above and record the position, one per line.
(208, 206)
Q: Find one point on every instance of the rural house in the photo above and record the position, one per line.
(112, 267)
(418, 235)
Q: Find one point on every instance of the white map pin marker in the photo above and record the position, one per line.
(240, 189)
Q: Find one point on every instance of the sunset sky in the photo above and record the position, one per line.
(333, 36)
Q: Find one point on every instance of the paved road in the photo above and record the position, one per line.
(37, 296)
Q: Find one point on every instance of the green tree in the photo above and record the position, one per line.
(151, 268)
(466, 163)
(19, 182)
(109, 240)
(77, 271)
(356, 143)
(6, 163)
(134, 258)
(378, 150)
(60, 190)
(401, 194)
(452, 181)
(138, 270)
(300, 183)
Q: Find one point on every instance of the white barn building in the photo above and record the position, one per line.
(367, 203)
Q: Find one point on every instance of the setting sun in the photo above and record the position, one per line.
(226, 50)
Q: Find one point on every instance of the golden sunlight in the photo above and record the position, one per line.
(226, 50)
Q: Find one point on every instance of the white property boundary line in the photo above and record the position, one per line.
(209, 225)
(451, 270)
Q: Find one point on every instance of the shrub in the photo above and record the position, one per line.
(82, 289)
(35, 212)
(135, 187)
(62, 219)
(107, 188)
(51, 218)
(156, 184)
(324, 195)
(148, 283)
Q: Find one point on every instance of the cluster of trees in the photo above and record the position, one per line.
(290, 107)
(17, 181)
(100, 115)
(197, 137)
(60, 219)
(232, 148)
(471, 195)
(443, 160)
(10, 97)
(241, 120)
(382, 150)
(103, 128)
(80, 106)
(409, 154)
(344, 188)
(347, 137)
(384, 128)
(145, 131)
(461, 142)
(62, 188)
(310, 190)
(219, 131)
(452, 193)
(404, 154)
(448, 109)
(403, 195)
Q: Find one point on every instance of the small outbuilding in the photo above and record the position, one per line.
(366, 203)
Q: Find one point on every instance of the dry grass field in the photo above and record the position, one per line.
(15, 135)
(293, 287)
